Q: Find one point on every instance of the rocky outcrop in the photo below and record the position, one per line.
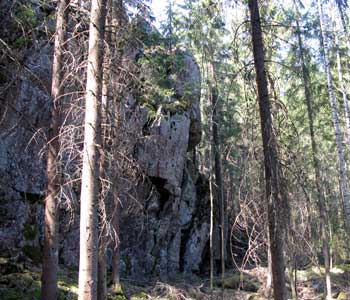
(24, 119)
(162, 153)
(172, 233)
(165, 220)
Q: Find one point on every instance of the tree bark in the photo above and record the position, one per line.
(90, 175)
(102, 271)
(320, 199)
(275, 196)
(105, 169)
(118, 25)
(50, 259)
(218, 186)
(211, 231)
(343, 22)
(116, 251)
(335, 118)
(343, 91)
(269, 268)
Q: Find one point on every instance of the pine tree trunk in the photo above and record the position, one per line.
(50, 259)
(117, 51)
(105, 169)
(218, 186)
(276, 200)
(88, 260)
(293, 283)
(343, 22)
(116, 251)
(320, 198)
(211, 231)
(104, 201)
(343, 91)
(335, 118)
(102, 271)
(269, 268)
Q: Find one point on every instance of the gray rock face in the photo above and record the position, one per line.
(187, 84)
(195, 201)
(195, 247)
(13, 217)
(23, 129)
(173, 234)
(25, 117)
(188, 200)
(69, 241)
(162, 153)
(164, 225)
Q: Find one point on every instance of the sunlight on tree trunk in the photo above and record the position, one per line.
(318, 182)
(218, 185)
(275, 196)
(90, 175)
(50, 259)
(335, 118)
(343, 91)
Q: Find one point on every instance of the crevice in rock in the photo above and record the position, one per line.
(204, 266)
(146, 129)
(185, 234)
(164, 194)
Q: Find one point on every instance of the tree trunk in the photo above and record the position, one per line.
(90, 175)
(50, 259)
(102, 270)
(118, 25)
(343, 91)
(269, 268)
(105, 168)
(116, 251)
(276, 200)
(320, 198)
(343, 22)
(218, 186)
(104, 201)
(338, 134)
(292, 278)
(211, 231)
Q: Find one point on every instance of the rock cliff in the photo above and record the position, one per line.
(168, 232)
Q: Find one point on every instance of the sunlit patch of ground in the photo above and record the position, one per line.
(19, 281)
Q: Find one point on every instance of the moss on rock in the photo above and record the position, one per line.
(9, 265)
(256, 296)
(241, 281)
(24, 286)
(139, 296)
(30, 232)
(32, 252)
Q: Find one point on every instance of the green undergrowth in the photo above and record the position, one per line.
(340, 278)
(19, 281)
(339, 273)
(241, 281)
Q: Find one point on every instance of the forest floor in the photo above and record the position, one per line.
(21, 281)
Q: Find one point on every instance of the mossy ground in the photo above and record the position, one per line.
(21, 281)
(310, 282)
